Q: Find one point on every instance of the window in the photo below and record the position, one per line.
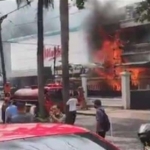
(84, 141)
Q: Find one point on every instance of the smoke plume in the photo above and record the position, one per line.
(103, 13)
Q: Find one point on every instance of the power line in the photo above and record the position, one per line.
(33, 35)
(54, 45)
(28, 3)
(30, 43)
(17, 9)
(26, 23)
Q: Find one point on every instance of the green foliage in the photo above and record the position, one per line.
(143, 11)
(80, 4)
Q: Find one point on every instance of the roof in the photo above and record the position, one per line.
(136, 64)
(18, 131)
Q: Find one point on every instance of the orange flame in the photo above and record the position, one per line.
(110, 54)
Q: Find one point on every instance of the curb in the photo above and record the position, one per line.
(85, 114)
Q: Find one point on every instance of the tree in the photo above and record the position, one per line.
(64, 14)
(64, 21)
(2, 52)
(143, 11)
(40, 47)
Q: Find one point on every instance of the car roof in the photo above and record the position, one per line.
(18, 131)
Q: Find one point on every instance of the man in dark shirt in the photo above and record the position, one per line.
(99, 118)
(22, 116)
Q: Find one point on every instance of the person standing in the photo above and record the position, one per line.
(3, 109)
(102, 120)
(72, 109)
(11, 110)
(22, 116)
(81, 98)
(56, 116)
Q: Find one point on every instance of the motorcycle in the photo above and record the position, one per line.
(144, 135)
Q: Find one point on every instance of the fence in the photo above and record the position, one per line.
(142, 83)
(100, 87)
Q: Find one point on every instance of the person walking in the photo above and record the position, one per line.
(72, 109)
(102, 120)
(22, 116)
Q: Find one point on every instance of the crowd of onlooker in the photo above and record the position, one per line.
(21, 112)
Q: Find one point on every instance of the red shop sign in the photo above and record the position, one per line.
(49, 53)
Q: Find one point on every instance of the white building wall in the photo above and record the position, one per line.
(23, 53)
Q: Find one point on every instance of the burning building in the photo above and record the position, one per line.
(136, 50)
(121, 44)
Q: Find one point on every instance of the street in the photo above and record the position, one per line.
(124, 133)
(125, 125)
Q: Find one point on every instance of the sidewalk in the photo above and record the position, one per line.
(107, 102)
(119, 113)
(114, 112)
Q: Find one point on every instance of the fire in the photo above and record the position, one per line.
(135, 74)
(110, 54)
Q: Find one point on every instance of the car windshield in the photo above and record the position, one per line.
(84, 141)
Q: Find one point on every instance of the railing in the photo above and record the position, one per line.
(101, 87)
(142, 83)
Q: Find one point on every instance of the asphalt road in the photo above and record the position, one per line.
(124, 131)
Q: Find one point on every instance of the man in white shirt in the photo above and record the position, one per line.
(72, 109)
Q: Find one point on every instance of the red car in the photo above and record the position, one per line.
(50, 137)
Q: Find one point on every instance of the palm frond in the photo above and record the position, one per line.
(19, 2)
(48, 3)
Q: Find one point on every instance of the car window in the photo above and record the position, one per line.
(84, 141)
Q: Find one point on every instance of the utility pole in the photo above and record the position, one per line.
(54, 62)
(2, 52)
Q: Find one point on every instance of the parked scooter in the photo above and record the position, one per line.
(144, 135)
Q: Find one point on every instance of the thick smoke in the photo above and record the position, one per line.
(102, 14)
